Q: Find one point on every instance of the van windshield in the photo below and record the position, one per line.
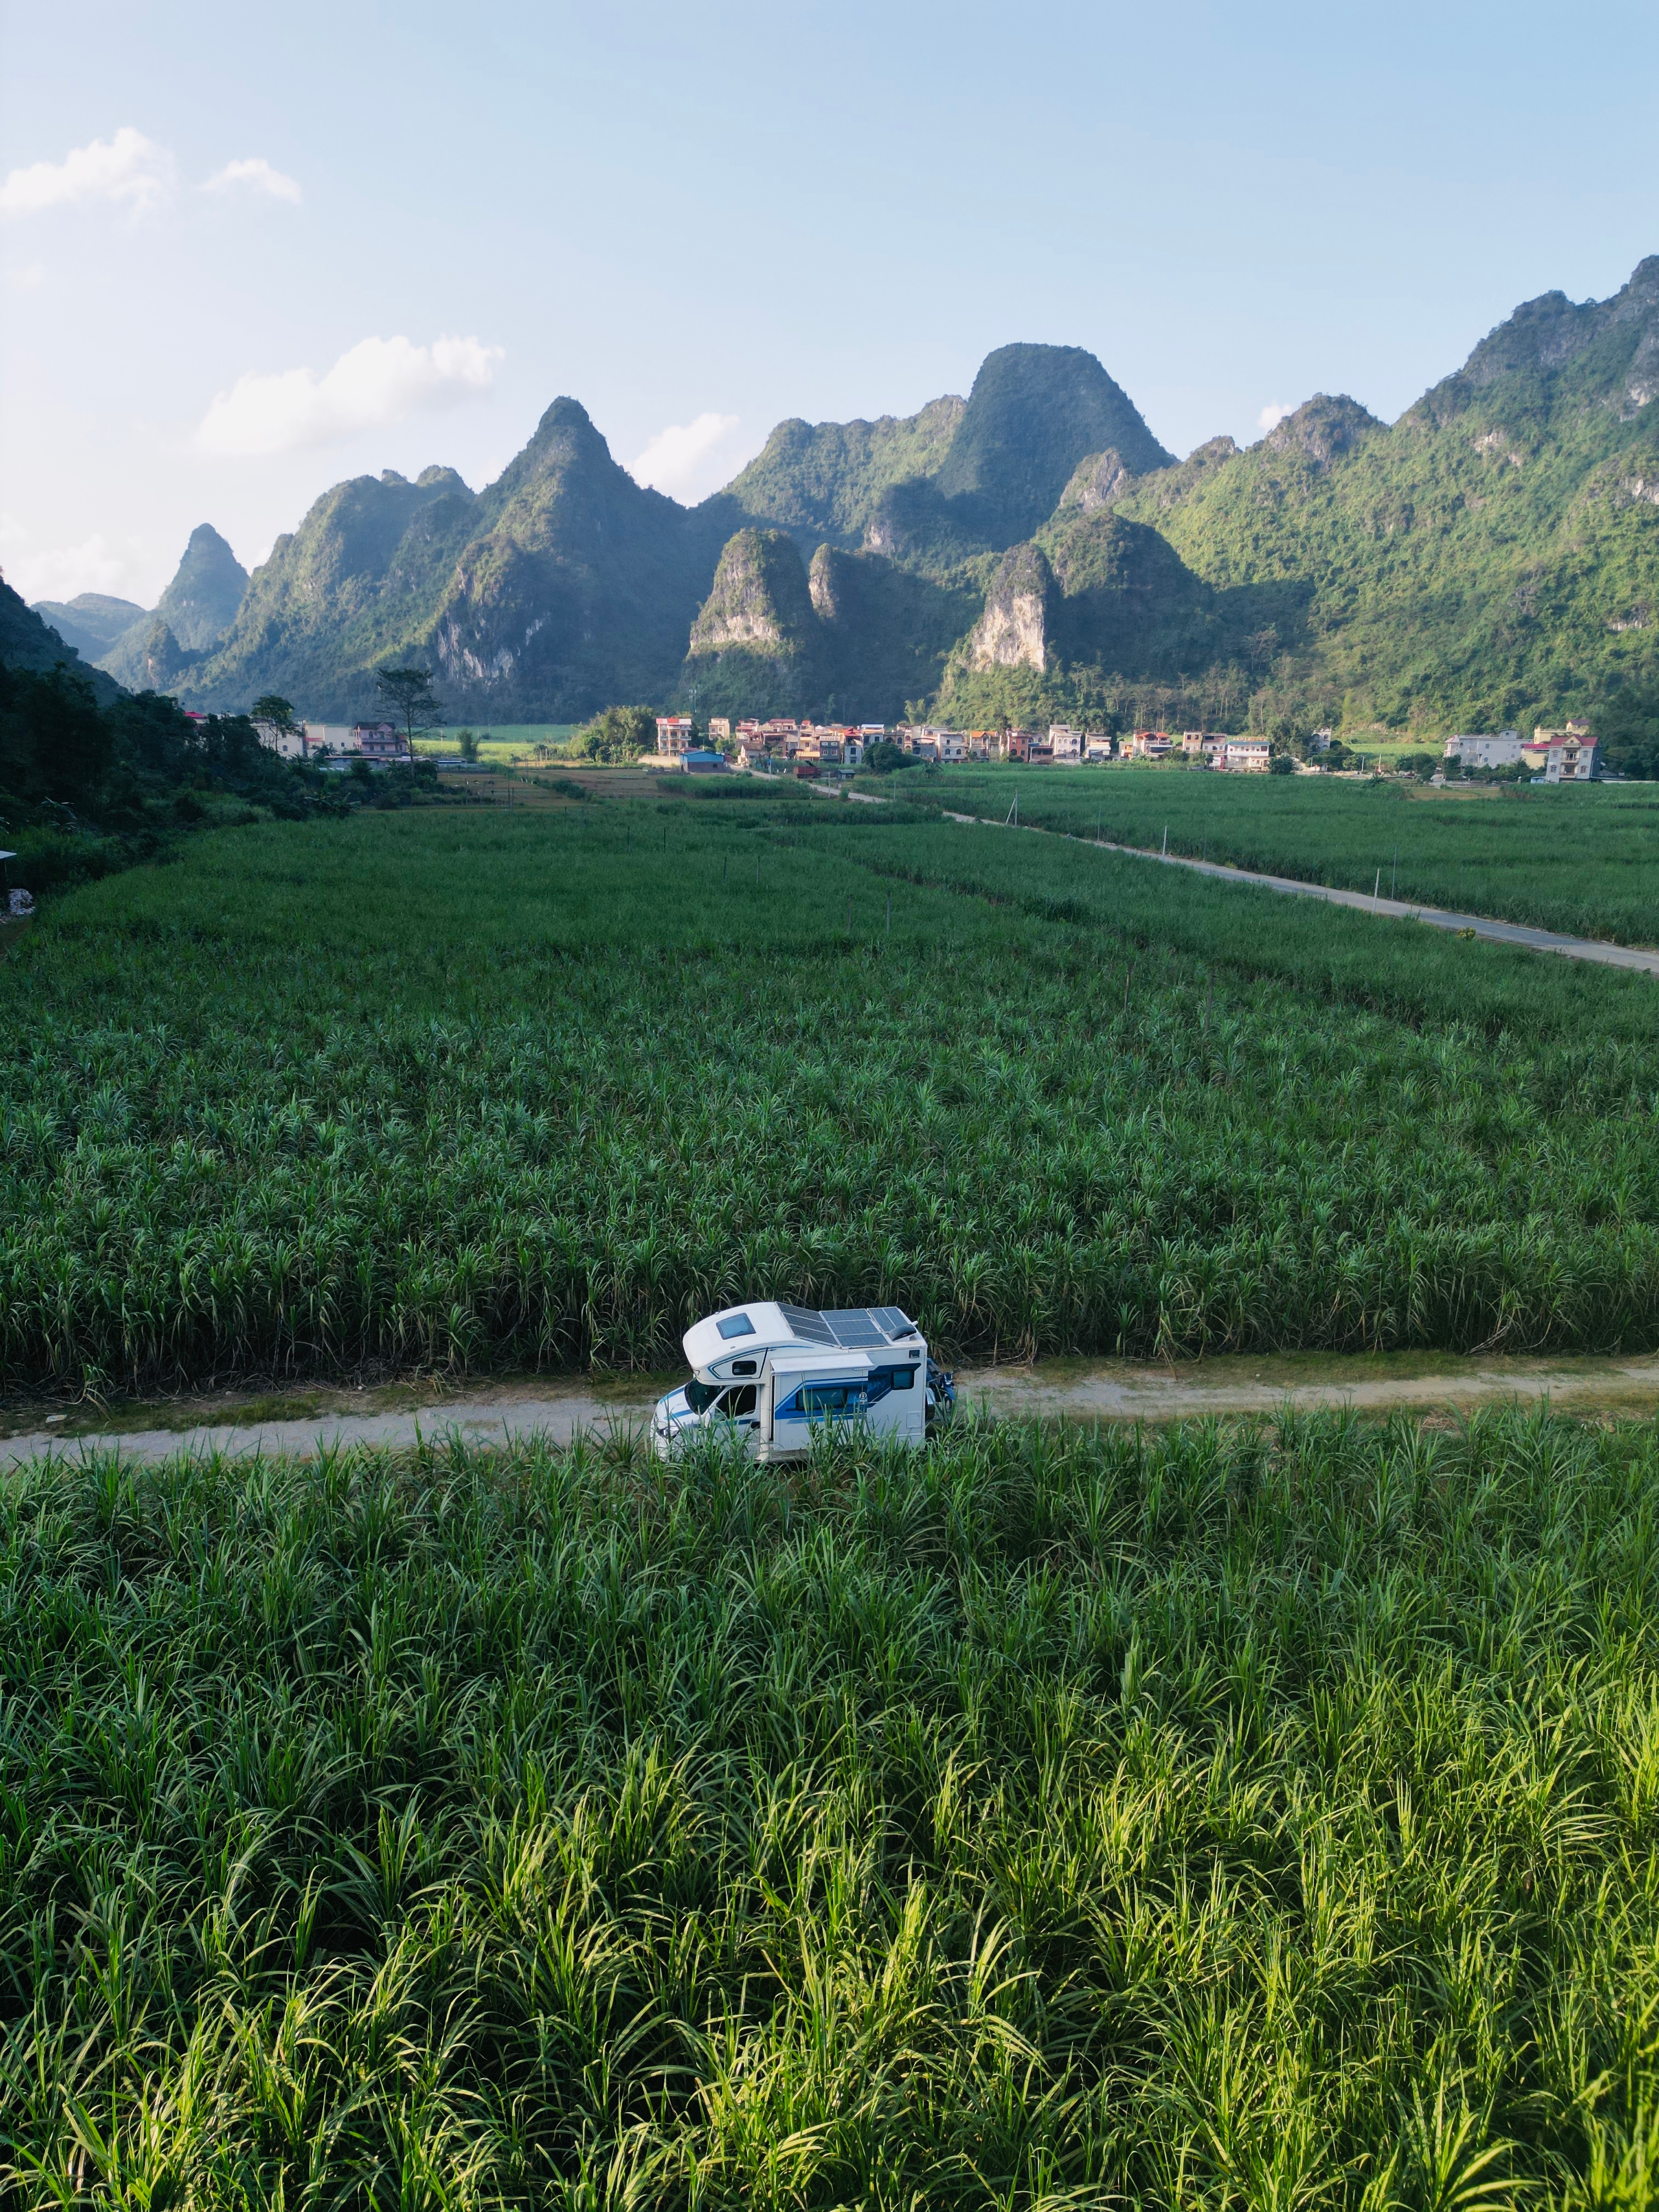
(700, 1396)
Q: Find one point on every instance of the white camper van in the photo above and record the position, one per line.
(766, 1375)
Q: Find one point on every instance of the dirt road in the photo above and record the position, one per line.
(1478, 924)
(306, 1424)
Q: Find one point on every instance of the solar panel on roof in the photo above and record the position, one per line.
(855, 1328)
(852, 1328)
(810, 1327)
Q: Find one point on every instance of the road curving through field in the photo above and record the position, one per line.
(1233, 1386)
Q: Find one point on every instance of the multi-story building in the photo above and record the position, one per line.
(1150, 745)
(1503, 751)
(1064, 742)
(380, 741)
(674, 734)
(1565, 756)
(719, 730)
(1096, 746)
(1249, 756)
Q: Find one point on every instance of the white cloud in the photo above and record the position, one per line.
(30, 278)
(379, 381)
(676, 459)
(63, 572)
(1273, 414)
(127, 168)
(258, 175)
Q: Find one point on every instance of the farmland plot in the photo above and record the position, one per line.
(1238, 1817)
(1584, 861)
(473, 1090)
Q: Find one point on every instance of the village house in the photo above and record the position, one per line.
(286, 745)
(379, 742)
(673, 735)
(1249, 756)
(1503, 751)
(1564, 755)
(1096, 746)
(329, 739)
(719, 730)
(1212, 750)
(1064, 742)
(1150, 745)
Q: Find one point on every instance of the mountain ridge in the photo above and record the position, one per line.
(1032, 549)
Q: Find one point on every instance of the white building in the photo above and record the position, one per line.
(673, 734)
(1249, 756)
(337, 738)
(1503, 751)
(286, 745)
(1067, 743)
(1096, 746)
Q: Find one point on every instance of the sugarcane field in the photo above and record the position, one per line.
(807, 1776)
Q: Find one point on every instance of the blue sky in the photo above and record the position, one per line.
(244, 253)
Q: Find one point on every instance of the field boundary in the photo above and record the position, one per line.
(1087, 1391)
(1478, 924)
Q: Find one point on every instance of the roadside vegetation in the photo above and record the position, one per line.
(1584, 861)
(86, 788)
(1230, 1816)
(466, 1089)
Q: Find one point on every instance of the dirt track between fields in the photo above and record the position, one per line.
(1475, 925)
(307, 1424)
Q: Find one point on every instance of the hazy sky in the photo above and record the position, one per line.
(246, 253)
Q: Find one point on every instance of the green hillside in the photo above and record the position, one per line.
(823, 481)
(562, 586)
(27, 642)
(91, 623)
(1489, 560)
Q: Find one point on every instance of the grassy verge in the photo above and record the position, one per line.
(1239, 1816)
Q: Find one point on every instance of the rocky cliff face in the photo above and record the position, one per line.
(1322, 428)
(562, 586)
(1097, 481)
(1013, 630)
(756, 636)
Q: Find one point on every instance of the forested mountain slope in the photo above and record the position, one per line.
(1491, 557)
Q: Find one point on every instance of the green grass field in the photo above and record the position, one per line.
(464, 1089)
(1231, 1818)
(501, 742)
(1583, 860)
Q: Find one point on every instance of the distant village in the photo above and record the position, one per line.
(1562, 755)
(811, 750)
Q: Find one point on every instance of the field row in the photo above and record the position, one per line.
(467, 1090)
(1238, 1817)
(1582, 861)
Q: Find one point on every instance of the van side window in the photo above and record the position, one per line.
(739, 1402)
(884, 1379)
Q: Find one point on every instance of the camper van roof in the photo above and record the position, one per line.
(764, 1325)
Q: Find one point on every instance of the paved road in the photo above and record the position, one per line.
(1084, 1390)
(1502, 932)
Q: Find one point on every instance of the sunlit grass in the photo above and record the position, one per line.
(458, 1089)
(1242, 1816)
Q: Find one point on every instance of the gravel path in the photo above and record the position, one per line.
(1502, 932)
(1086, 1390)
